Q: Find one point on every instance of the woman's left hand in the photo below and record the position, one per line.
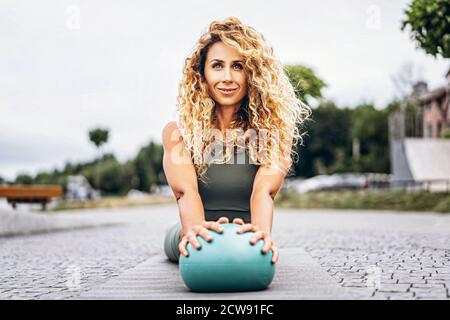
(268, 242)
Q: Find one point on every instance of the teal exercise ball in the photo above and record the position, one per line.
(227, 263)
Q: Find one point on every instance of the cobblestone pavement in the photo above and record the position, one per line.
(382, 255)
(395, 267)
(392, 256)
(63, 264)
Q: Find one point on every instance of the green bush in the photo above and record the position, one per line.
(376, 200)
(111, 176)
(445, 134)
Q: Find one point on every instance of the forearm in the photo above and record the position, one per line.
(191, 209)
(261, 210)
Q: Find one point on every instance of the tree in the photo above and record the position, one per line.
(405, 79)
(44, 178)
(327, 141)
(429, 21)
(370, 130)
(111, 175)
(24, 179)
(406, 111)
(305, 82)
(129, 177)
(98, 136)
(345, 140)
(306, 85)
(148, 166)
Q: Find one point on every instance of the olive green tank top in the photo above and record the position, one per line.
(229, 188)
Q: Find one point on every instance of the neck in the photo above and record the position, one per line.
(225, 115)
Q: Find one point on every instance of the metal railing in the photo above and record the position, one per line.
(423, 184)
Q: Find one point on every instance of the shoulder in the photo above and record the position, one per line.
(171, 133)
(170, 126)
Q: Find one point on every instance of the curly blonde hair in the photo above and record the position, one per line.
(270, 105)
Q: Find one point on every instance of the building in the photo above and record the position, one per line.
(419, 158)
(436, 111)
(421, 163)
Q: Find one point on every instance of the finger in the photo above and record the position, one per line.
(267, 244)
(196, 229)
(256, 237)
(213, 226)
(182, 247)
(217, 227)
(194, 242)
(205, 234)
(238, 221)
(275, 254)
(223, 220)
(248, 227)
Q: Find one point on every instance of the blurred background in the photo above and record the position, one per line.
(87, 86)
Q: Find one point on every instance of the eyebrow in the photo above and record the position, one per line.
(223, 61)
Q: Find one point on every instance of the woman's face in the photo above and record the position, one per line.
(224, 69)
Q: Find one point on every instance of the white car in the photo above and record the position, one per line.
(330, 182)
(78, 188)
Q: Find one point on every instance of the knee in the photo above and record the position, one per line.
(171, 241)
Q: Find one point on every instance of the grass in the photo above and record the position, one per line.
(379, 200)
(112, 202)
(361, 199)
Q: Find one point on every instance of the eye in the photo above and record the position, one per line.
(236, 64)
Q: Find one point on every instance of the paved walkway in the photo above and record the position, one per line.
(324, 254)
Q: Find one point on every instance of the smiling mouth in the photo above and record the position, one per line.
(227, 91)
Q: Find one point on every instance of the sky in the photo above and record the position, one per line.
(69, 66)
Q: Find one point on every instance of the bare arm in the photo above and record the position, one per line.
(266, 185)
(181, 176)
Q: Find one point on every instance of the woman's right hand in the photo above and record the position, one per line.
(200, 230)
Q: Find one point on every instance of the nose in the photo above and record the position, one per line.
(227, 76)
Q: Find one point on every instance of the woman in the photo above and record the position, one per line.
(233, 93)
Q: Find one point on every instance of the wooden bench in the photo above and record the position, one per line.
(42, 194)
